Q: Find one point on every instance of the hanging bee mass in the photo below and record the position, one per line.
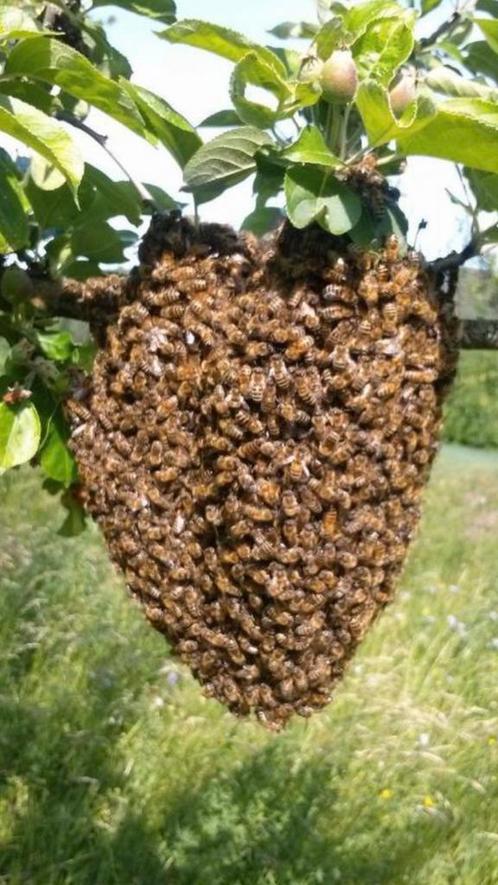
(253, 444)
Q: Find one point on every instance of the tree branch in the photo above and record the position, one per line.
(479, 335)
(65, 117)
(443, 30)
(454, 260)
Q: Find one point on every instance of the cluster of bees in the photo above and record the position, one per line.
(253, 443)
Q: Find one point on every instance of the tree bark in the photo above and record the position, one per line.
(479, 335)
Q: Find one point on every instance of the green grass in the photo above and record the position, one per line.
(472, 410)
(113, 769)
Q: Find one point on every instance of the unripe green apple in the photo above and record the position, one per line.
(16, 284)
(339, 77)
(403, 92)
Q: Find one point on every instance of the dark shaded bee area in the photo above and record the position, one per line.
(254, 442)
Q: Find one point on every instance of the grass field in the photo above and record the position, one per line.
(472, 409)
(113, 769)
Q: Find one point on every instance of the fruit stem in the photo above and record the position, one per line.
(333, 127)
(343, 144)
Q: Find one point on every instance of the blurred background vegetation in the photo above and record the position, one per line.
(472, 410)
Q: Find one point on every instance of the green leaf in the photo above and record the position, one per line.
(35, 94)
(56, 460)
(255, 71)
(382, 126)
(310, 147)
(224, 161)
(222, 118)
(105, 198)
(45, 175)
(160, 10)
(314, 195)
(384, 47)
(289, 58)
(358, 17)
(14, 231)
(110, 61)
(490, 6)
(490, 31)
(269, 179)
(99, 241)
(4, 353)
(84, 355)
(53, 62)
(371, 232)
(485, 188)
(448, 82)
(172, 130)
(57, 346)
(44, 135)
(305, 30)
(100, 198)
(15, 24)
(162, 200)
(263, 220)
(20, 433)
(220, 41)
(330, 36)
(81, 269)
(55, 208)
(464, 130)
(429, 5)
(481, 60)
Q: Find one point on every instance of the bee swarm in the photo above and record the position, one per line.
(253, 444)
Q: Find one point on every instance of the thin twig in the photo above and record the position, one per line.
(455, 259)
(443, 30)
(344, 133)
(479, 335)
(144, 194)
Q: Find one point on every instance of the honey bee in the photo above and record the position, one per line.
(78, 409)
(391, 250)
(268, 491)
(388, 389)
(290, 504)
(258, 514)
(299, 347)
(281, 375)
(329, 524)
(369, 289)
(421, 376)
(338, 272)
(231, 429)
(213, 515)
(336, 312)
(298, 471)
(308, 389)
